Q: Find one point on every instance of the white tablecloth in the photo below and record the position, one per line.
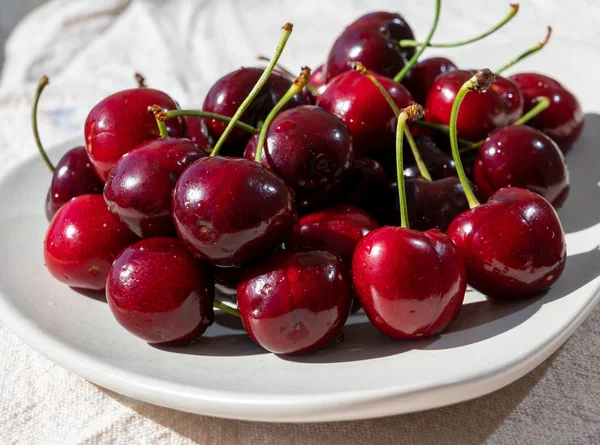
(91, 49)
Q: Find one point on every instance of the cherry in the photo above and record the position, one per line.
(335, 229)
(365, 186)
(563, 119)
(373, 40)
(310, 149)
(521, 156)
(197, 132)
(120, 122)
(513, 245)
(431, 204)
(295, 302)
(160, 293)
(82, 240)
(354, 99)
(439, 163)
(481, 113)
(228, 211)
(226, 95)
(140, 186)
(73, 176)
(317, 79)
(512, 97)
(227, 279)
(421, 77)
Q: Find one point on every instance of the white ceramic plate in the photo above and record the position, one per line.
(224, 374)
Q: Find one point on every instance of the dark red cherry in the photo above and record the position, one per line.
(365, 186)
(563, 119)
(73, 176)
(513, 245)
(160, 293)
(228, 93)
(229, 211)
(197, 132)
(512, 97)
(295, 301)
(373, 40)
(82, 241)
(480, 112)
(439, 163)
(310, 149)
(372, 123)
(521, 156)
(226, 281)
(317, 78)
(421, 77)
(431, 204)
(140, 186)
(411, 284)
(121, 122)
(335, 229)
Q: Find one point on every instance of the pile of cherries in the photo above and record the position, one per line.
(303, 199)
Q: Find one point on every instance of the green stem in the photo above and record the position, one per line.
(480, 81)
(296, 88)
(43, 83)
(417, 154)
(225, 308)
(413, 43)
(218, 117)
(162, 128)
(312, 89)
(285, 33)
(527, 53)
(400, 170)
(413, 60)
(542, 103)
(441, 128)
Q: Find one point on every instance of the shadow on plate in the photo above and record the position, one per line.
(97, 295)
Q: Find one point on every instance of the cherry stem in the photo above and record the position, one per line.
(43, 83)
(412, 112)
(199, 113)
(141, 80)
(157, 111)
(542, 103)
(357, 66)
(413, 60)
(514, 8)
(482, 80)
(285, 33)
(313, 90)
(225, 308)
(527, 53)
(442, 129)
(297, 86)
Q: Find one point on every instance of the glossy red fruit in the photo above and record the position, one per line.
(120, 122)
(335, 229)
(73, 176)
(226, 281)
(512, 97)
(372, 123)
(563, 119)
(82, 241)
(513, 245)
(197, 132)
(480, 112)
(317, 79)
(160, 293)
(228, 93)
(311, 150)
(373, 40)
(439, 164)
(521, 156)
(229, 211)
(140, 186)
(365, 186)
(421, 77)
(295, 302)
(411, 284)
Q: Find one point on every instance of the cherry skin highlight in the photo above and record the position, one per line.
(372, 123)
(411, 284)
(512, 97)
(120, 122)
(513, 246)
(228, 93)
(311, 150)
(73, 176)
(82, 241)
(521, 156)
(295, 302)
(563, 119)
(140, 186)
(160, 293)
(229, 211)
(317, 79)
(420, 78)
